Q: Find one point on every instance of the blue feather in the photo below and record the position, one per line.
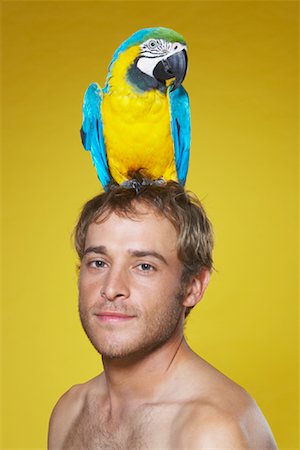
(181, 130)
(92, 132)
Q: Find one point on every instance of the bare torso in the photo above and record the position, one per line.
(146, 427)
(198, 409)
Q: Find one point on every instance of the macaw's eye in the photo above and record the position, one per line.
(152, 43)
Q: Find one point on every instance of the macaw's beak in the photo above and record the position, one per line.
(175, 66)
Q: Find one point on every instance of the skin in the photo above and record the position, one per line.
(155, 392)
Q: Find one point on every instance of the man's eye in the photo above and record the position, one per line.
(145, 267)
(98, 264)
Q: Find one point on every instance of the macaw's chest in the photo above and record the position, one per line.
(137, 135)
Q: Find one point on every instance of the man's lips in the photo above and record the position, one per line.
(110, 316)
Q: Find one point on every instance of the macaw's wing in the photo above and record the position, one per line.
(92, 132)
(181, 130)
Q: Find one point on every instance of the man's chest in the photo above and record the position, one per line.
(149, 428)
(89, 434)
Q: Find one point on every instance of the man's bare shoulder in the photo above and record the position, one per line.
(67, 410)
(224, 415)
(209, 426)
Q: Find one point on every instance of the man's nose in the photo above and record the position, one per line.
(115, 284)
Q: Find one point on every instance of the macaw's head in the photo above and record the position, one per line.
(148, 59)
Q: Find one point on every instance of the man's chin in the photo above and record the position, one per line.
(130, 354)
(120, 353)
(114, 351)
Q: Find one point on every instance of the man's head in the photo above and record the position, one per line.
(182, 209)
(145, 261)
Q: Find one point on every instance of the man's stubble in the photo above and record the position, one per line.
(157, 329)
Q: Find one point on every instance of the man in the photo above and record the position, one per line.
(145, 261)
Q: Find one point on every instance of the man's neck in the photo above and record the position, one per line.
(144, 378)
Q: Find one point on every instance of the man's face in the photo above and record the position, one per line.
(129, 284)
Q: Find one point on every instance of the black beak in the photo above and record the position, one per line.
(175, 66)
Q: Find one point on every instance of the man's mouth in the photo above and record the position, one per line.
(113, 316)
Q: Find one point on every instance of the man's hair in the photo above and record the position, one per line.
(170, 200)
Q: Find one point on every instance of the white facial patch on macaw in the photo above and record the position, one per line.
(155, 50)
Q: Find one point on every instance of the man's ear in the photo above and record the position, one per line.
(196, 288)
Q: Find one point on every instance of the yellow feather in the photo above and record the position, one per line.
(136, 127)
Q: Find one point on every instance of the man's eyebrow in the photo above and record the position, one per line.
(142, 253)
(101, 249)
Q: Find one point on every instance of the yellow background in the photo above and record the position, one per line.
(242, 82)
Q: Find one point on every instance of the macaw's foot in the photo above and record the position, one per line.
(159, 181)
(137, 184)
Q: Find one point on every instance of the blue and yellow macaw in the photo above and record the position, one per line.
(140, 120)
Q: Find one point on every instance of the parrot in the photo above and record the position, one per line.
(139, 122)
